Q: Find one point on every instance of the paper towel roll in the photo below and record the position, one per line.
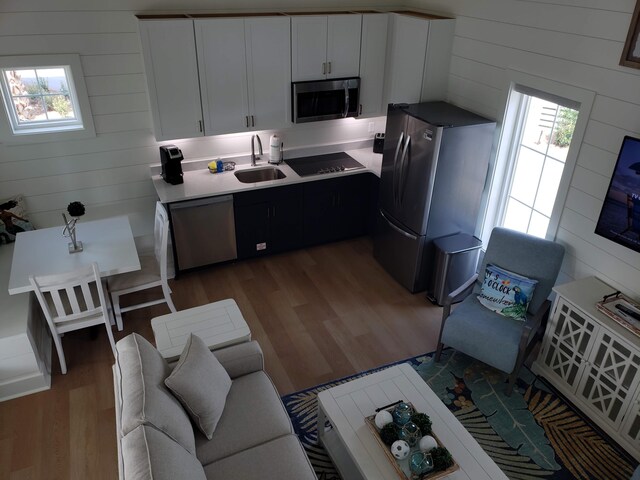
(274, 149)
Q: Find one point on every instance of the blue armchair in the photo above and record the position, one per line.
(496, 340)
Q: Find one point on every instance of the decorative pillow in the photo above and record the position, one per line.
(201, 384)
(506, 293)
(13, 219)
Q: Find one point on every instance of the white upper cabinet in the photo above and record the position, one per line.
(268, 46)
(244, 73)
(325, 46)
(223, 74)
(372, 63)
(418, 58)
(171, 69)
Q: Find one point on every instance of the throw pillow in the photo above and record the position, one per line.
(506, 293)
(201, 384)
(13, 219)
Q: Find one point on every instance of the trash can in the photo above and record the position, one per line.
(456, 260)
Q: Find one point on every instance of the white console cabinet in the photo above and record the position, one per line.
(594, 361)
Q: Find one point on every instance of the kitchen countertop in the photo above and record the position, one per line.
(200, 183)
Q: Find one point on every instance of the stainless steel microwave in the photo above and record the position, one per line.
(325, 99)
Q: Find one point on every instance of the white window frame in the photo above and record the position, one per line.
(501, 169)
(81, 127)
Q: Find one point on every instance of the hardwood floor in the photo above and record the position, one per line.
(319, 314)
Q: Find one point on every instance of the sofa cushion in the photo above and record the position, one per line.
(201, 384)
(253, 415)
(149, 454)
(282, 458)
(144, 397)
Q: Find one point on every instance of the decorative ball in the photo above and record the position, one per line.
(400, 449)
(402, 413)
(76, 209)
(389, 433)
(427, 443)
(423, 421)
(420, 462)
(383, 417)
(410, 433)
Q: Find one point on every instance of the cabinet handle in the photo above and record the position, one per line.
(274, 212)
(360, 110)
(324, 68)
(253, 121)
(200, 126)
(246, 121)
(329, 68)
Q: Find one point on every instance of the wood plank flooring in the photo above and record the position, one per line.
(319, 314)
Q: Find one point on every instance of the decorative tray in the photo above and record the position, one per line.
(623, 310)
(402, 466)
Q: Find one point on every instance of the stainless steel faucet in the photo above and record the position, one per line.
(253, 150)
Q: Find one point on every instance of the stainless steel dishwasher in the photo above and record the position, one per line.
(204, 231)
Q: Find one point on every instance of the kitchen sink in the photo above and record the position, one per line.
(259, 175)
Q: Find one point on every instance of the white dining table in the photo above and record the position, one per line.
(108, 242)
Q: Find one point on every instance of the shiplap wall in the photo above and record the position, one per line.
(577, 42)
(110, 173)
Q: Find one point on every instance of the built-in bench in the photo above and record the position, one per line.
(25, 341)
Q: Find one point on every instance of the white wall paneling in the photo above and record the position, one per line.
(575, 42)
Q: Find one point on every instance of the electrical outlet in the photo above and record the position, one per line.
(372, 127)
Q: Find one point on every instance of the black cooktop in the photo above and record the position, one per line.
(320, 164)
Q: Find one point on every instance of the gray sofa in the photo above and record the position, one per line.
(253, 440)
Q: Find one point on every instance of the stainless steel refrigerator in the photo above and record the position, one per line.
(434, 165)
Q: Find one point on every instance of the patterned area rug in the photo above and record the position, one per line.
(532, 435)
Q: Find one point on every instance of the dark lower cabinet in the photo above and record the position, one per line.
(268, 220)
(277, 219)
(336, 208)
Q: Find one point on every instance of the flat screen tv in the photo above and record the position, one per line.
(620, 215)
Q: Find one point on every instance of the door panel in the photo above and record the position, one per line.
(416, 174)
(223, 74)
(308, 47)
(394, 136)
(168, 49)
(400, 253)
(268, 47)
(343, 45)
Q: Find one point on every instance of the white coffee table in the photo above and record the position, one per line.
(219, 324)
(355, 451)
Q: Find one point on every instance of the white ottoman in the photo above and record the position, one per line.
(219, 324)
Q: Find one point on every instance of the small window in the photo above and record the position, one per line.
(41, 96)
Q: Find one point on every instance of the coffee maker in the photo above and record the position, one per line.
(170, 158)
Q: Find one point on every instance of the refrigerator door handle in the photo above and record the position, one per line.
(402, 167)
(395, 168)
(398, 229)
(346, 96)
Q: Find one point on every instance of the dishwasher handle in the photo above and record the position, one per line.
(201, 202)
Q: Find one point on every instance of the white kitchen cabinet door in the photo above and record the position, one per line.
(418, 58)
(308, 47)
(343, 45)
(223, 74)
(268, 47)
(171, 69)
(372, 63)
(405, 61)
(325, 46)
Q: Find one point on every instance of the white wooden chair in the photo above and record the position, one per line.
(71, 301)
(153, 272)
